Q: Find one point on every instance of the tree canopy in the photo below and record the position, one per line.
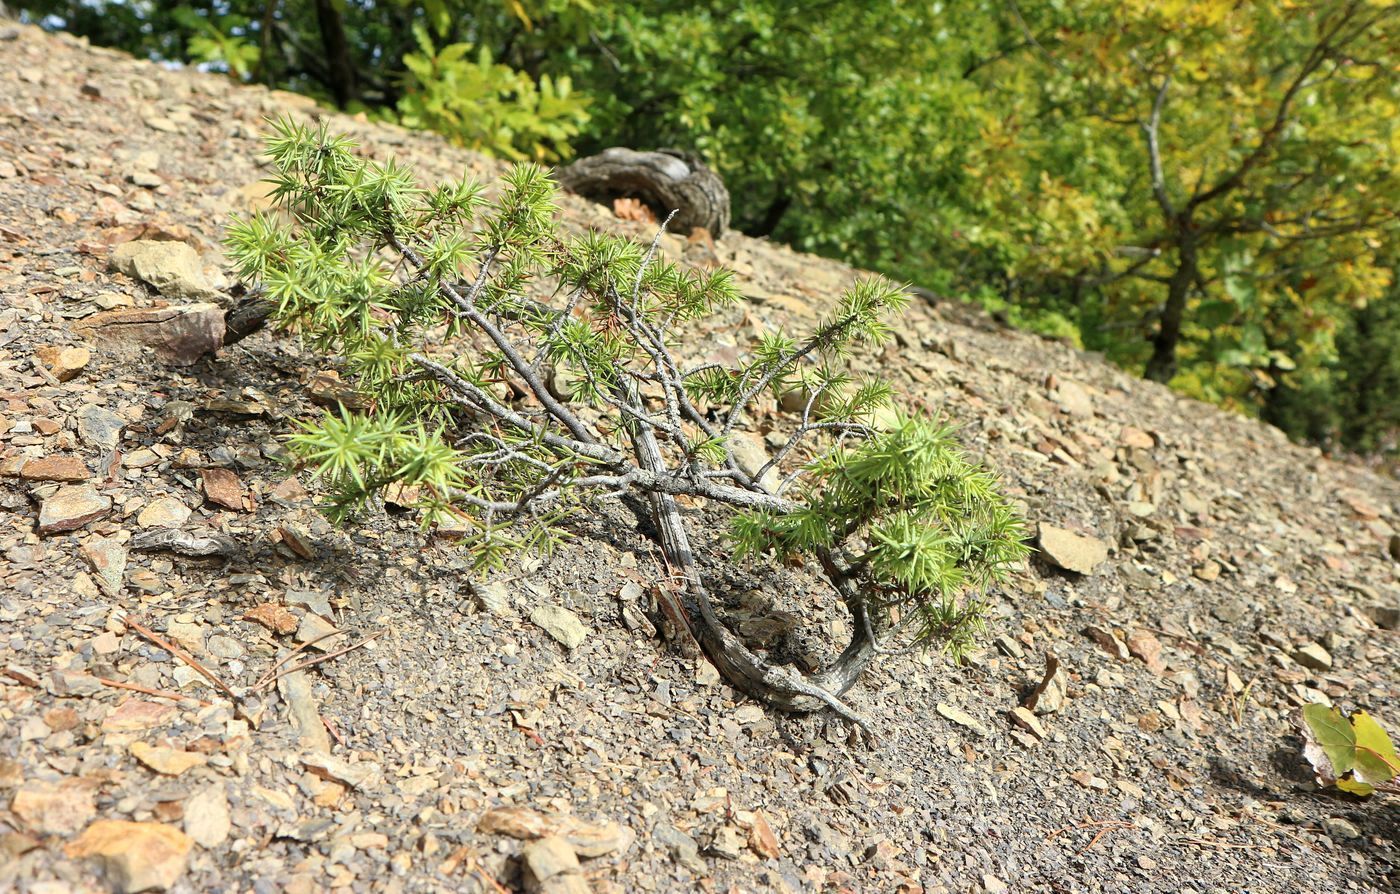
(1203, 190)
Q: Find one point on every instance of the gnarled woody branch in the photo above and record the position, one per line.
(487, 435)
(646, 471)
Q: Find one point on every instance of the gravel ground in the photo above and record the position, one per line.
(1228, 577)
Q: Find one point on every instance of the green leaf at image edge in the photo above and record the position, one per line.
(1355, 788)
(1334, 734)
(1376, 760)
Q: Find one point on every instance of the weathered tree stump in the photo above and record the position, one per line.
(665, 181)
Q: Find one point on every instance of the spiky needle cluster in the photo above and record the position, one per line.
(514, 371)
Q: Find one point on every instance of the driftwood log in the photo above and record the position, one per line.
(664, 181)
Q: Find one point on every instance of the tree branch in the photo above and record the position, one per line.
(1316, 57)
(466, 306)
(1151, 129)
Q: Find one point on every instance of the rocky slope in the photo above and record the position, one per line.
(1201, 579)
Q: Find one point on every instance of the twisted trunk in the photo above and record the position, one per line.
(246, 317)
(340, 69)
(780, 687)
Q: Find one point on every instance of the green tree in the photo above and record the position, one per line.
(466, 95)
(1351, 400)
(491, 302)
(1234, 166)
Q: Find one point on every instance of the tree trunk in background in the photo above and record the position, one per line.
(772, 216)
(1162, 366)
(342, 71)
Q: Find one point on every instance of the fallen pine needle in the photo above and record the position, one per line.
(335, 733)
(320, 658)
(1103, 827)
(1208, 842)
(454, 859)
(182, 655)
(475, 869)
(159, 693)
(268, 677)
(1285, 831)
(23, 679)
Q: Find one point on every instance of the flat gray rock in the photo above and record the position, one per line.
(1065, 549)
(561, 624)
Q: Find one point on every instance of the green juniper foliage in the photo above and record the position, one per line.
(514, 372)
(935, 527)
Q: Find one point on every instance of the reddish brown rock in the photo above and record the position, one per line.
(515, 822)
(1026, 720)
(165, 760)
(295, 540)
(272, 616)
(54, 807)
(61, 718)
(1108, 642)
(327, 389)
(11, 463)
(361, 775)
(290, 491)
(71, 508)
(180, 335)
(222, 488)
(1147, 648)
(587, 839)
(762, 841)
(1130, 436)
(63, 364)
(135, 856)
(55, 468)
(137, 714)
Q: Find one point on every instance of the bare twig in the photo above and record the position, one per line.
(475, 868)
(311, 662)
(1103, 827)
(267, 676)
(182, 655)
(466, 305)
(335, 733)
(158, 693)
